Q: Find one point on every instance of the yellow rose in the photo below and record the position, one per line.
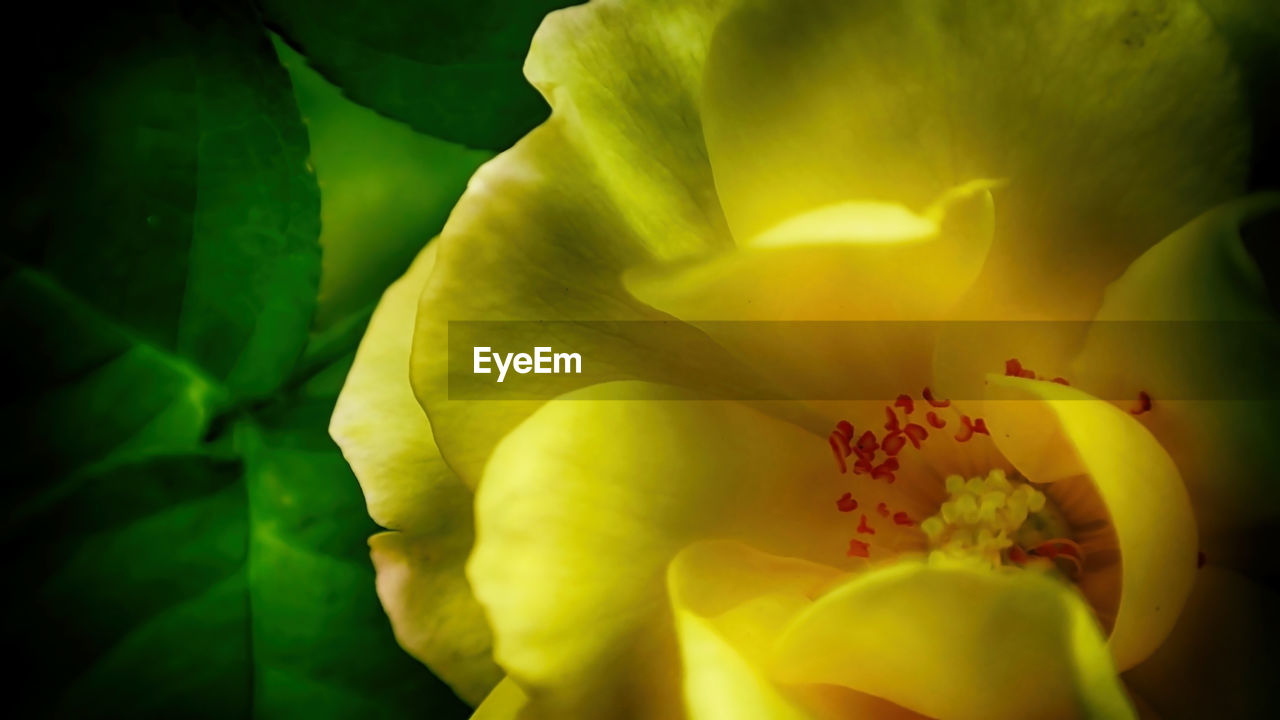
(1009, 546)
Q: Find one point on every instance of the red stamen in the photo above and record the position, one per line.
(915, 433)
(968, 428)
(906, 403)
(864, 528)
(1061, 548)
(883, 509)
(867, 444)
(980, 426)
(838, 446)
(893, 443)
(1061, 381)
(843, 442)
(845, 429)
(885, 470)
(857, 548)
(928, 396)
(1013, 368)
(892, 423)
(901, 518)
(1017, 555)
(862, 467)
(846, 503)
(1144, 403)
(934, 420)
(1058, 547)
(1076, 566)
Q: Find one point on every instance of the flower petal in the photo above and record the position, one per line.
(422, 586)
(1252, 27)
(1053, 433)
(504, 702)
(383, 432)
(1201, 369)
(583, 506)
(625, 78)
(720, 683)
(750, 596)
(616, 177)
(731, 602)
(385, 437)
(1219, 659)
(957, 643)
(857, 261)
(1114, 122)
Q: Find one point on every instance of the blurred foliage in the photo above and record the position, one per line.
(449, 69)
(386, 190)
(185, 539)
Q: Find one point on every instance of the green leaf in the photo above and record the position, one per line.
(322, 644)
(452, 70)
(172, 193)
(386, 190)
(229, 581)
(183, 538)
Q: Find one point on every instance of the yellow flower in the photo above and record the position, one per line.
(641, 550)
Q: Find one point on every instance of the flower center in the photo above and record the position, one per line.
(998, 520)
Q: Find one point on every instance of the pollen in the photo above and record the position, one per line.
(992, 520)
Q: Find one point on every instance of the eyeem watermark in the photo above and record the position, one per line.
(542, 362)
(731, 360)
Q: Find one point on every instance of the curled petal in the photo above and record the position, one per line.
(1073, 103)
(582, 508)
(731, 602)
(1055, 433)
(956, 643)
(1190, 327)
(856, 261)
(617, 177)
(385, 437)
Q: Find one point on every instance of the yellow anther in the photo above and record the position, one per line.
(961, 538)
(933, 527)
(1035, 503)
(981, 516)
(1016, 515)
